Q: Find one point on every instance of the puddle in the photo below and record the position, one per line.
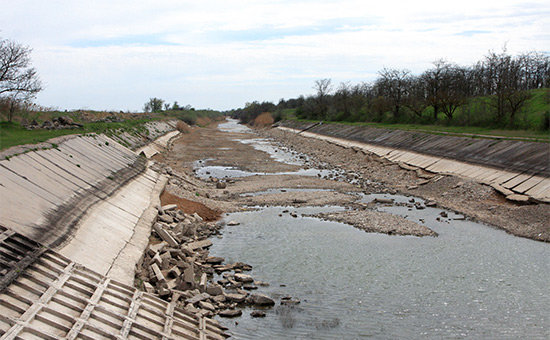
(470, 282)
(278, 154)
(220, 172)
(232, 125)
(282, 190)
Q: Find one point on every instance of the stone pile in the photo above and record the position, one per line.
(56, 123)
(177, 266)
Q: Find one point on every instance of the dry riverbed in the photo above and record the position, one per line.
(476, 201)
(178, 265)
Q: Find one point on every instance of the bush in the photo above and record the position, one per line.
(182, 127)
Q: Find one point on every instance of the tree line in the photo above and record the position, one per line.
(490, 92)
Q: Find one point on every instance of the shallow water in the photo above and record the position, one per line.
(472, 281)
(220, 172)
(281, 190)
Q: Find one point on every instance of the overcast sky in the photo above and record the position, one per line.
(115, 55)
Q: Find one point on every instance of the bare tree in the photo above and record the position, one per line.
(452, 89)
(18, 80)
(323, 88)
(392, 84)
(432, 80)
(342, 99)
(416, 98)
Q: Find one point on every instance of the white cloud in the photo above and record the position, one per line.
(219, 54)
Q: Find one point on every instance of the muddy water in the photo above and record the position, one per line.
(472, 281)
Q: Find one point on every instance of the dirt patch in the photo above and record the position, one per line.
(190, 207)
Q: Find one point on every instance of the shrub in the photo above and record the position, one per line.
(182, 127)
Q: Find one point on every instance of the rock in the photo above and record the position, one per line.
(230, 313)
(166, 218)
(384, 200)
(262, 300)
(214, 260)
(290, 302)
(199, 244)
(197, 217)
(419, 206)
(430, 203)
(169, 207)
(158, 274)
(153, 249)
(235, 297)
(190, 308)
(221, 185)
(214, 289)
(219, 298)
(232, 223)
(243, 278)
(261, 283)
(202, 282)
(148, 288)
(174, 272)
(249, 286)
(443, 214)
(207, 306)
(197, 298)
(164, 234)
(257, 314)
(164, 292)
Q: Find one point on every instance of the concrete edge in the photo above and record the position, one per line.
(123, 268)
(510, 195)
(158, 144)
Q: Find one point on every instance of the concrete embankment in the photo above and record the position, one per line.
(76, 215)
(518, 169)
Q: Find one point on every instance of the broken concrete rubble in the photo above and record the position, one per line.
(178, 268)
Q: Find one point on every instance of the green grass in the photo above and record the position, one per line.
(12, 134)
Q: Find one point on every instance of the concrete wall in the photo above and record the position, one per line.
(518, 156)
(517, 169)
(45, 193)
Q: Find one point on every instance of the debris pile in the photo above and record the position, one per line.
(177, 266)
(56, 123)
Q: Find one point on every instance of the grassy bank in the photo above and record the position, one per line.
(12, 134)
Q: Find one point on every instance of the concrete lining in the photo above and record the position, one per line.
(513, 155)
(534, 183)
(95, 201)
(44, 295)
